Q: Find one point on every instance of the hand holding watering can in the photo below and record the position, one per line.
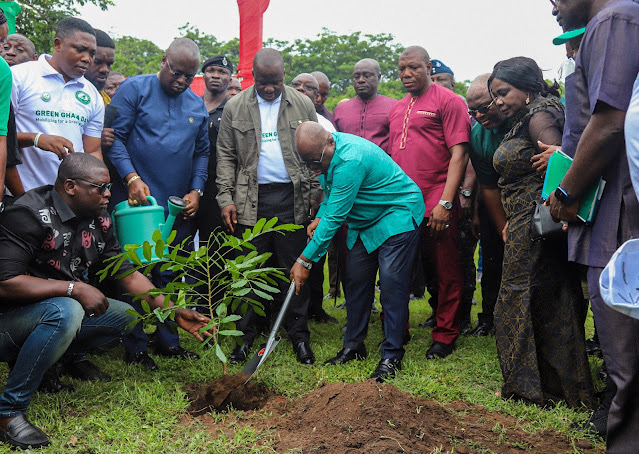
(138, 192)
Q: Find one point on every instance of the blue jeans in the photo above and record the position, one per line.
(34, 336)
(394, 258)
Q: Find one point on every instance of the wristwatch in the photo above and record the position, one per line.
(307, 265)
(1, 207)
(562, 195)
(199, 191)
(446, 204)
(466, 192)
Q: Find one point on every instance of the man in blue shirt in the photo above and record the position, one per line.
(161, 148)
(383, 209)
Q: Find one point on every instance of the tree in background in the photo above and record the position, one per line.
(135, 56)
(209, 44)
(39, 19)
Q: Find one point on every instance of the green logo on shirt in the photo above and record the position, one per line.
(83, 97)
(46, 96)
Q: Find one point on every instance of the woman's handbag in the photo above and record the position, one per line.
(543, 226)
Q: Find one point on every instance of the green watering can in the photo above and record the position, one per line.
(136, 224)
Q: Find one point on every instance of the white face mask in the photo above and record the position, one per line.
(566, 69)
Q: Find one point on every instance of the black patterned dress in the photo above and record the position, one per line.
(540, 309)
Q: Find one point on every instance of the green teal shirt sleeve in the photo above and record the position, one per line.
(5, 95)
(347, 179)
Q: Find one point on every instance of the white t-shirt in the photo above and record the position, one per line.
(270, 166)
(44, 103)
(325, 123)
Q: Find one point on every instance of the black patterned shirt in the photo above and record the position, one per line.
(42, 237)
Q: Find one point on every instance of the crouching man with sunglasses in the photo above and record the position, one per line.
(52, 240)
(383, 208)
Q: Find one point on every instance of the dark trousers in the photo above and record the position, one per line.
(315, 284)
(334, 277)
(394, 259)
(492, 249)
(467, 246)
(619, 339)
(166, 333)
(277, 200)
(440, 255)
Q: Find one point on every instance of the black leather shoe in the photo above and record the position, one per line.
(431, 322)
(464, 327)
(176, 352)
(593, 348)
(439, 350)
(51, 382)
(84, 370)
(21, 433)
(304, 353)
(386, 369)
(143, 359)
(240, 353)
(346, 354)
(482, 329)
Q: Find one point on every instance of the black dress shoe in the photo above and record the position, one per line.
(386, 369)
(346, 354)
(482, 329)
(464, 326)
(51, 383)
(240, 353)
(593, 348)
(439, 350)
(176, 352)
(21, 433)
(431, 322)
(84, 370)
(304, 353)
(143, 359)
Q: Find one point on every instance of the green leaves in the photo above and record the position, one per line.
(226, 278)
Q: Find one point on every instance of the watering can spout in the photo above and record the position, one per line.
(176, 206)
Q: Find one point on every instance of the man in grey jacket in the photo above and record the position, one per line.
(260, 175)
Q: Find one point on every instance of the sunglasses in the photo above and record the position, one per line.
(318, 161)
(188, 78)
(481, 109)
(102, 187)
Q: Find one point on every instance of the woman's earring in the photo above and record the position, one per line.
(528, 100)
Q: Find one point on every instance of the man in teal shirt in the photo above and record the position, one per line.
(383, 208)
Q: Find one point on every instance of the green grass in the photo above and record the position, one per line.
(141, 412)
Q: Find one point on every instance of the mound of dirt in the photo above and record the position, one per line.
(371, 418)
(228, 390)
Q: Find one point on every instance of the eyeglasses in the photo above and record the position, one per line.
(102, 187)
(188, 78)
(319, 161)
(481, 109)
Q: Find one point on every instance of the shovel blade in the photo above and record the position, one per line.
(258, 359)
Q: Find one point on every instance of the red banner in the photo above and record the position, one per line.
(251, 21)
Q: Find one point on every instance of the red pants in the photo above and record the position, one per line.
(440, 256)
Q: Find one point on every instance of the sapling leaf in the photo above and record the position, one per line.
(219, 353)
(257, 228)
(171, 237)
(156, 236)
(230, 332)
(146, 250)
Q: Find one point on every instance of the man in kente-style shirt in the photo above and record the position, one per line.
(161, 148)
(429, 135)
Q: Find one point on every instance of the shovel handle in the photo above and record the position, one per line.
(280, 316)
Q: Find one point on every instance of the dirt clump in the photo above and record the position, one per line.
(226, 391)
(371, 418)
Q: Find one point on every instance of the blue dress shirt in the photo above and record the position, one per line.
(163, 138)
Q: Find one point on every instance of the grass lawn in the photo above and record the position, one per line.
(141, 411)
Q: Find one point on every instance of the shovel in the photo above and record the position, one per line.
(273, 339)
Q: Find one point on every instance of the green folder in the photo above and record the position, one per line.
(558, 165)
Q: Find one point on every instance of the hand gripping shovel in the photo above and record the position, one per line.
(273, 339)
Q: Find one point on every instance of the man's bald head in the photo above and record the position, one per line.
(310, 139)
(268, 73)
(268, 58)
(185, 48)
(366, 77)
(306, 84)
(417, 50)
(478, 87)
(324, 88)
(481, 105)
(18, 49)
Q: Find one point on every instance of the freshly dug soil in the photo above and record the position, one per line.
(228, 390)
(371, 418)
